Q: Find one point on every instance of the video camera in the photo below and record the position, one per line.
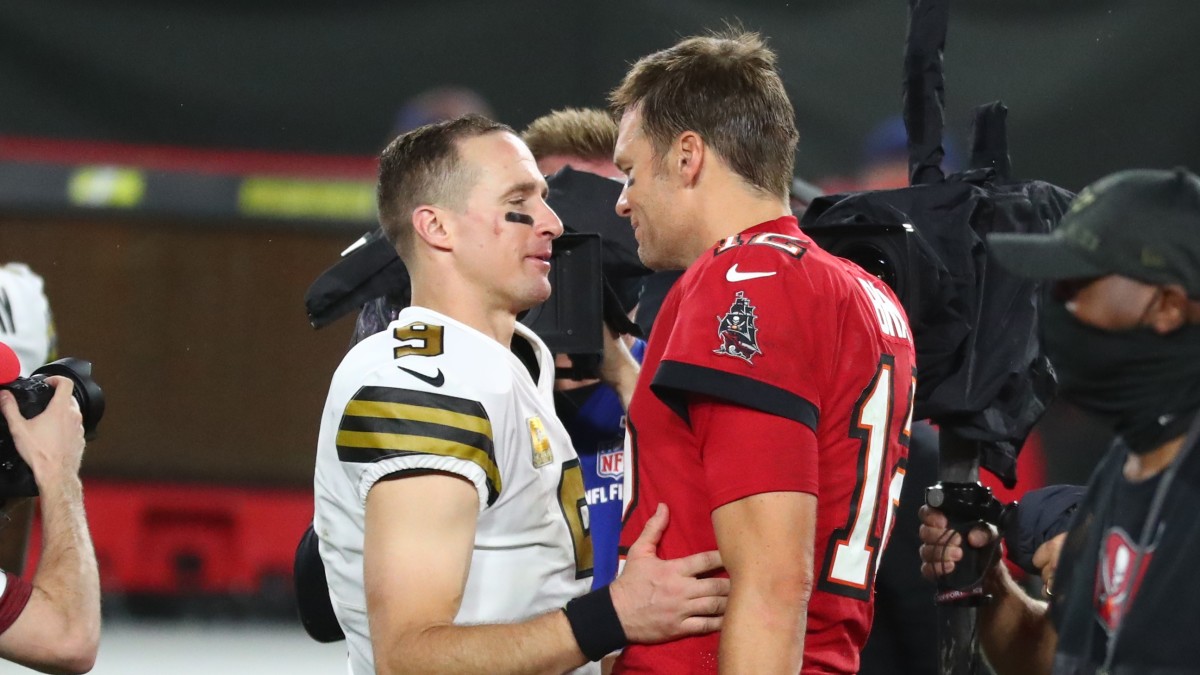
(33, 394)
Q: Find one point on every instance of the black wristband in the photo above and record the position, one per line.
(595, 624)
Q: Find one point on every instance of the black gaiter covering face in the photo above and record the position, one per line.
(1147, 385)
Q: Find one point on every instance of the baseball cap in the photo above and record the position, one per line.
(1141, 223)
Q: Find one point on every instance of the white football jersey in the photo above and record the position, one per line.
(432, 393)
(25, 323)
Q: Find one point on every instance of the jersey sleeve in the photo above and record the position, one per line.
(14, 595)
(753, 331)
(386, 431)
(778, 455)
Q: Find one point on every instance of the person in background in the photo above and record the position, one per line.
(775, 372)
(26, 323)
(52, 622)
(438, 104)
(592, 411)
(581, 138)
(1122, 330)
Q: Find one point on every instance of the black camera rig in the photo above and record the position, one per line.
(33, 394)
(967, 506)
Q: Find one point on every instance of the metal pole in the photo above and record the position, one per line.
(958, 641)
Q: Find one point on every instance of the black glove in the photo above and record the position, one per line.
(1042, 515)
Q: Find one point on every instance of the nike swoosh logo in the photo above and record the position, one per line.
(436, 380)
(734, 275)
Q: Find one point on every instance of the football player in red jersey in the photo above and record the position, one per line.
(777, 376)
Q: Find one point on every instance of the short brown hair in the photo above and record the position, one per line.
(424, 166)
(725, 88)
(587, 133)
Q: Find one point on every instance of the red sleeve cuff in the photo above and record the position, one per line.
(13, 597)
(747, 452)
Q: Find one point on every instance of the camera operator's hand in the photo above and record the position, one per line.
(619, 369)
(1045, 558)
(58, 629)
(942, 547)
(52, 442)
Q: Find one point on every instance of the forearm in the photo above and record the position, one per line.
(766, 543)
(67, 578)
(625, 391)
(764, 627)
(619, 370)
(543, 644)
(1015, 630)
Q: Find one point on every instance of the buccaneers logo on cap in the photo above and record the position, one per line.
(739, 335)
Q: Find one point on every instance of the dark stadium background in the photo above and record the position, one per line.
(179, 171)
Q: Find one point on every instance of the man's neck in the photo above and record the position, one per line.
(729, 213)
(738, 210)
(464, 307)
(1147, 465)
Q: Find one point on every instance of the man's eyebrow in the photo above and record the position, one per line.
(527, 187)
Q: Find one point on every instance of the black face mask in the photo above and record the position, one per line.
(1147, 385)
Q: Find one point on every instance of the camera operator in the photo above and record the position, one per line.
(53, 623)
(27, 327)
(1123, 334)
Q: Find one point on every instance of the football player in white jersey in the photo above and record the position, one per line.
(25, 321)
(449, 502)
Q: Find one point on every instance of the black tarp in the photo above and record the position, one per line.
(980, 365)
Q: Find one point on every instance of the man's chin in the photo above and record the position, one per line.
(534, 299)
(652, 261)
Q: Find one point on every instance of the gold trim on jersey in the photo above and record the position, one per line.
(480, 425)
(383, 422)
(420, 338)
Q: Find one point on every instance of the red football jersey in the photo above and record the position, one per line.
(14, 595)
(770, 322)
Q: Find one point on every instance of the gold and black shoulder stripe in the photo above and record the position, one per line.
(383, 422)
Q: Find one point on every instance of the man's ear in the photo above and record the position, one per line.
(1170, 311)
(690, 153)
(430, 224)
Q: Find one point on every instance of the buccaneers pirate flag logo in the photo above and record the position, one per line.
(1122, 568)
(739, 335)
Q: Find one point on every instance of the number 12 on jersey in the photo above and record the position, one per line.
(853, 553)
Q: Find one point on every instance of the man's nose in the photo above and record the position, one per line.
(550, 223)
(622, 206)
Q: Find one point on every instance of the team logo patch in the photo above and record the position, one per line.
(738, 334)
(1122, 568)
(539, 442)
(611, 463)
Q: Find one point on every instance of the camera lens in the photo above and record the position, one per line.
(871, 258)
(87, 393)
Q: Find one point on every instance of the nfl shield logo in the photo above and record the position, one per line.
(611, 463)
